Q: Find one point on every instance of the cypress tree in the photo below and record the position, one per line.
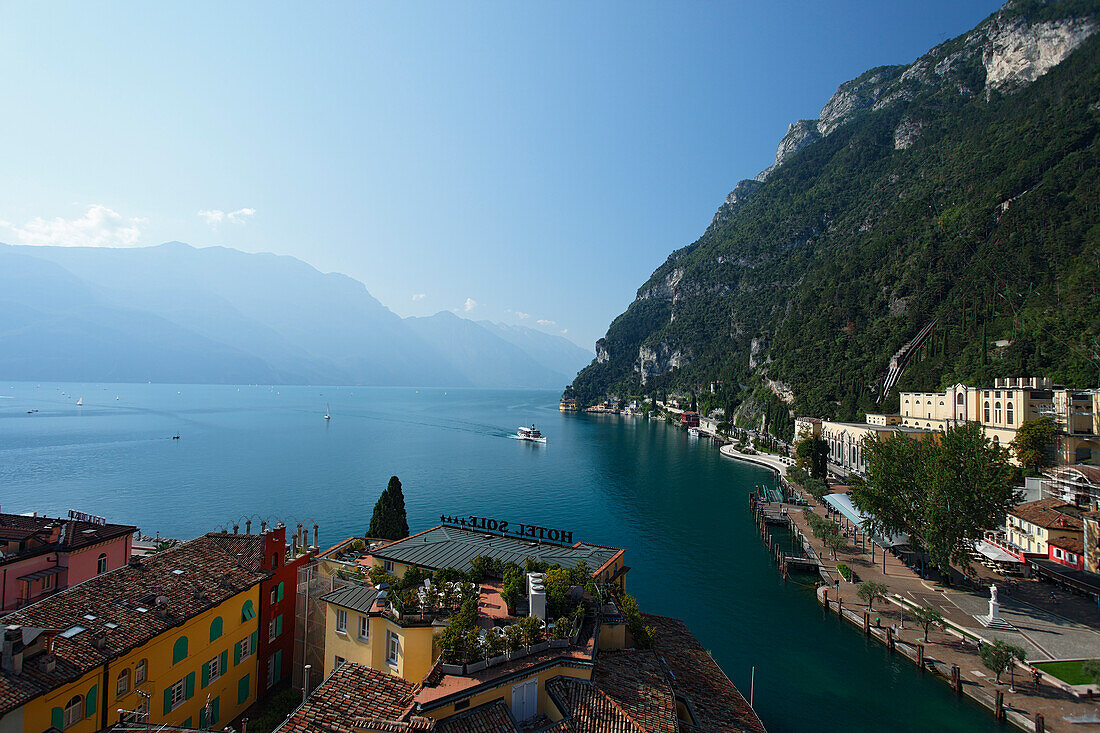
(389, 521)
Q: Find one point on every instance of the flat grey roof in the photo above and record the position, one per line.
(455, 547)
(356, 597)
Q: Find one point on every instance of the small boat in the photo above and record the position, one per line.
(693, 432)
(327, 416)
(79, 401)
(532, 433)
(175, 437)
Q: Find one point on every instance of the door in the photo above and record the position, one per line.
(525, 700)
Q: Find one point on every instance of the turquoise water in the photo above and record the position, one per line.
(678, 507)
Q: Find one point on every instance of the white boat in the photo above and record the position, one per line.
(79, 401)
(693, 432)
(327, 416)
(532, 433)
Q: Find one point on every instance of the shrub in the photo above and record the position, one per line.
(358, 545)
(845, 571)
(513, 635)
(532, 628)
(644, 636)
(512, 587)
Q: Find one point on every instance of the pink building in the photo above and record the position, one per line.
(41, 555)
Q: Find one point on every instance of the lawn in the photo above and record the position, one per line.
(1072, 673)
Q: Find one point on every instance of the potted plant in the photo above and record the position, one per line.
(475, 652)
(533, 634)
(514, 636)
(496, 647)
(559, 635)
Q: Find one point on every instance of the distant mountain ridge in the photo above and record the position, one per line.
(183, 314)
(959, 190)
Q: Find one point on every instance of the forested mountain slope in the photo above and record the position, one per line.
(963, 189)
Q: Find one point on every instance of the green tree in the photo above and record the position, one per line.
(871, 591)
(833, 541)
(928, 617)
(943, 490)
(1091, 668)
(389, 521)
(999, 656)
(1033, 442)
(812, 454)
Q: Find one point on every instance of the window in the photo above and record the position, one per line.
(242, 690)
(341, 621)
(214, 669)
(986, 412)
(74, 711)
(216, 628)
(274, 668)
(179, 694)
(364, 628)
(1008, 412)
(247, 612)
(275, 628)
(273, 594)
(996, 412)
(140, 672)
(48, 581)
(393, 648)
(244, 648)
(338, 661)
(123, 685)
(959, 399)
(179, 650)
(101, 564)
(387, 565)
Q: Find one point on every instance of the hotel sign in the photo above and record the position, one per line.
(509, 529)
(89, 518)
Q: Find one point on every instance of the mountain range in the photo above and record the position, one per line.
(176, 313)
(939, 217)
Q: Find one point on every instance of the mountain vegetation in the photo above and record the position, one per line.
(962, 190)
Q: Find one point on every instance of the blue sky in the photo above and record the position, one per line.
(529, 163)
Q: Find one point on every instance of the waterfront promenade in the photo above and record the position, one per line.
(1044, 633)
(768, 460)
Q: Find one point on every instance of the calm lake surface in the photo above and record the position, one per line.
(678, 507)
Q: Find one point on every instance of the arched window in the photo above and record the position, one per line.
(959, 399)
(141, 672)
(986, 411)
(179, 650)
(215, 628)
(1008, 412)
(996, 412)
(74, 711)
(123, 685)
(101, 564)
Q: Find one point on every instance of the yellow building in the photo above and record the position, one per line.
(1030, 526)
(172, 637)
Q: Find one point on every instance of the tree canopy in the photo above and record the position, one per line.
(389, 521)
(1033, 441)
(942, 491)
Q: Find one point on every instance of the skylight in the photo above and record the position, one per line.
(89, 617)
(71, 632)
(111, 625)
(177, 572)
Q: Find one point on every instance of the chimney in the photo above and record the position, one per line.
(248, 526)
(99, 640)
(263, 526)
(12, 659)
(49, 663)
(294, 545)
(162, 606)
(316, 544)
(236, 529)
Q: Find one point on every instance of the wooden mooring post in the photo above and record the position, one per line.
(956, 679)
(999, 706)
(826, 597)
(890, 638)
(1040, 723)
(920, 656)
(867, 623)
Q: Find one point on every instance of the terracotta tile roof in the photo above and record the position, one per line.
(249, 546)
(587, 708)
(1072, 544)
(209, 576)
(492, 717)
(353, 698)
(637, 681)
(70, 534)
(1048, 514)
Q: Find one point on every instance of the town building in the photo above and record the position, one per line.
(806, 427)
(1079, 485)
(689, 419)
(173, 639)
(1068, 551)
(1030, 526)
(1090, 540)
(387, 667)
(40, 556)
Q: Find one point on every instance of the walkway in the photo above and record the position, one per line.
(778, 463)
(1044, 634)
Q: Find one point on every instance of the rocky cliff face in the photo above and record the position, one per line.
(1016, 52)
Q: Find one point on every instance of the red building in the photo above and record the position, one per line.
(40, 556)
(1067, 551)
(275, 650)
(690, 419)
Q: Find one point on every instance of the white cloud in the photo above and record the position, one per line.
(544, 322)
(420, 296)
(522, 316)
(98, 227)
(469, 305)
(213, 217)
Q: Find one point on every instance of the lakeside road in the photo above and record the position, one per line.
(958, 606)
(776, 463)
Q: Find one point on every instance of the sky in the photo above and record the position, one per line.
(530, 163)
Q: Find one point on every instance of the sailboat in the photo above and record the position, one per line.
(327, 416)
(79, 401)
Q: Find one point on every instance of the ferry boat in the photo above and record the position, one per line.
(532, 433)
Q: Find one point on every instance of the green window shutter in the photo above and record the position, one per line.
(236, 654)
(167, 700)
(279, 596)
(242, 690)
(90, 701)
(214, 714)
(57, 718)
(205, 674)
(179, 650)
(225, 661)
(278, 665)
(189, 686)
(279, 624)
(202, 718)
(216, 628)
(255, 636)
(247, 612)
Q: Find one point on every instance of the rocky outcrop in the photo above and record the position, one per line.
(734, 200)
(666, 288)
(654, 361)
(602, 354)
(799, 135)
(1018, 53)
(856, 95)
(906, 133)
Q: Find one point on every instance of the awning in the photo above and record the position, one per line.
(843, 504)
(38, 575)
(994, 553)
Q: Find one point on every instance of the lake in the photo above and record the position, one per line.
(678, 507)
